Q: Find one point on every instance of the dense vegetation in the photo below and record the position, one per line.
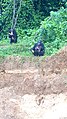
(38, 19)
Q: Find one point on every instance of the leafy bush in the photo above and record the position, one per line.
(53, 31)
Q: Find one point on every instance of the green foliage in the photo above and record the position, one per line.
(5, 18)
(22, 47)
(14, 49)
(32, 12)
(28, 18)
(53, 31)
(45, 6)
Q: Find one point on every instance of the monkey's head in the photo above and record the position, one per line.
(39, 42)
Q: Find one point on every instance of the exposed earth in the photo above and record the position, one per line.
(34, 88)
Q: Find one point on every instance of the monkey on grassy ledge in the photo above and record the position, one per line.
(12, 36)
(38, 49)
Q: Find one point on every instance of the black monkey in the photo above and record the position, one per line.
(13, 36)
(38, 49)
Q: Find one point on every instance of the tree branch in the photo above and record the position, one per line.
(17, 14)
(14, 12)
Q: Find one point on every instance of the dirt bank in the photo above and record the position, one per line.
(33, 88)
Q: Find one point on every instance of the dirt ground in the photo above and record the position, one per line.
(34, 88)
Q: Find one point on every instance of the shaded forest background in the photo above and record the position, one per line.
(44, 20)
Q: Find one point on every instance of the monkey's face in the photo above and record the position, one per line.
(38, 48)
(11, 33)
